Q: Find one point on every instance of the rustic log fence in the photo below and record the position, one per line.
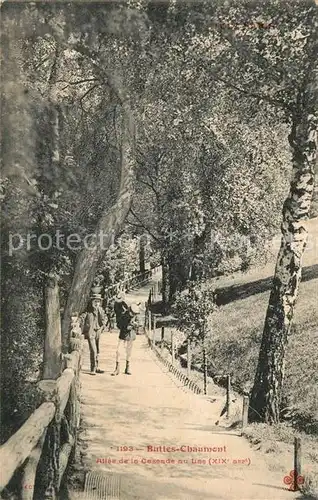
(43, 445)
(295, 479)
(131, 283)
(150, 329)
(177, 373)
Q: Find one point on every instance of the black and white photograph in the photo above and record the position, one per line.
(159, 250)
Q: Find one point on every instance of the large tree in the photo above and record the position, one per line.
(202, 165)
(262, 59)
(71, 172)
(271, 52)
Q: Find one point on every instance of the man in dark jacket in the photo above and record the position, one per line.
(120, 307)
(127, 335)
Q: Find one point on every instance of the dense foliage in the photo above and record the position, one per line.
(189, 118)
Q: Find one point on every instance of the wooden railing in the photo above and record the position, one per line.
(150, 329)
(41, 449)
(186, 381)
(131, 282)
(36, 456)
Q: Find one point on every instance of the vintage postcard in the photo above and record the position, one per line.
(159, 250)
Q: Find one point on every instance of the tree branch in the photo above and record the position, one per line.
(87, 92)
(143, 225)
(247, 54)
(275, 102)
(106, 78)
(150, 185)
(78, 82)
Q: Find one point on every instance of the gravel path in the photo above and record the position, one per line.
(152, 432)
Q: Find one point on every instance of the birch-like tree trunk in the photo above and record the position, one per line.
(267, 389)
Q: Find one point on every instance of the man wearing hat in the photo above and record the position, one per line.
(127, 335)
(93, 325)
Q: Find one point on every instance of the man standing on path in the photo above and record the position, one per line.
(127, 335)
(93, 325)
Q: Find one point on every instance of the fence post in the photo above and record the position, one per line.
(149, 321)
(51, 371)
(146, 315)
(205, 370)
(162, 337)
(246, 401)
(154, 331)
(297, 462)
(73, 402)
(73, 413)
(29, 471)
(189, 358)
(172, 348)
(228, 395)
(53, 338)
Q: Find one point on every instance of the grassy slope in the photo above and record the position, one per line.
(235, 339)
(236, 331)
(234, 343)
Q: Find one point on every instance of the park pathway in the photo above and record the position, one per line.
(148, 409)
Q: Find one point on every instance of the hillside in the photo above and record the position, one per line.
(234, 341)
(236, 329)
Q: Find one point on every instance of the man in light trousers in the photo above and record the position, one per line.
(127, 335)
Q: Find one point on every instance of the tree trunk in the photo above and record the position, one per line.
(52, 340)
(142, 243)
(108, 227)
(178, 275)
(205, 369)
(266, 392)
(173, 279)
